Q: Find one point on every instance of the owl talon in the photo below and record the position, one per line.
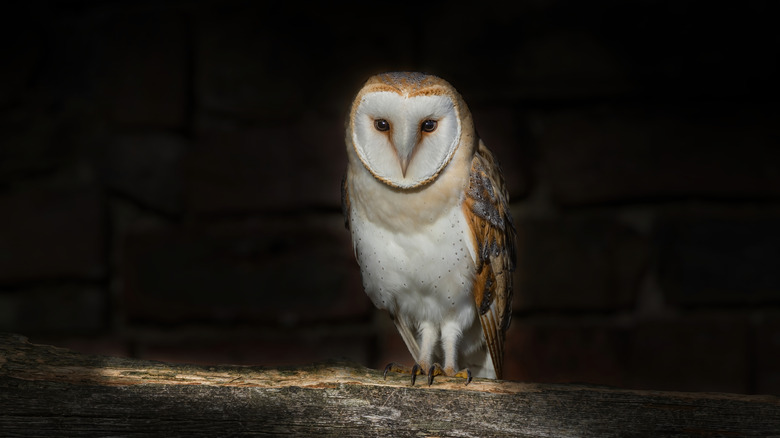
(416, 369)
(433, 371)
(465, 373)
(396, 368)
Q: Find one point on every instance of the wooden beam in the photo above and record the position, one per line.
(49, 391)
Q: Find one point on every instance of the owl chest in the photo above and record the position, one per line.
(424, 271)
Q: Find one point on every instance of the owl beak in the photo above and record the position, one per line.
(405, 159)
(405, 147)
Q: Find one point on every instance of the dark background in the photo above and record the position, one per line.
(170, 170)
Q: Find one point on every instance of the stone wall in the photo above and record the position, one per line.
(169, 180)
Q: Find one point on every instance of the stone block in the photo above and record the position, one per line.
(65, 310)
(29, 146)
(628, 154)
(560, 351)
(52, 124)
(501, 129)
(51, 234)
(254, 64)
(23, 30)
(285, 167)
(692, 353)
(767, 354)
(709, 256)
(244, 66)
(578, 263)
(692, 57)
(568, 49)
(148, 168)
(144, 61)
(522, 53)
(278, 271)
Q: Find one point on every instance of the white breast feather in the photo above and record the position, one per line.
(432, 266)
(424, 276)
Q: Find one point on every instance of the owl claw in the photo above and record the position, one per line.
(437, 370)
(433, 371)
(390, 367)
(387, 368)
(465, 373)
(416, 369)
(396, 368)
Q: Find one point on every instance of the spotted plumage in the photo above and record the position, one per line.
(427, 208)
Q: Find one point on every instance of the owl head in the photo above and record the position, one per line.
(405, 128)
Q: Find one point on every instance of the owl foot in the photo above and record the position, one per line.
(437, 370)
(465, 372)
(415, 371)
(433, 371)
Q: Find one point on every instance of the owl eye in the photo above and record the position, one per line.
(381, 125)
(429, 126)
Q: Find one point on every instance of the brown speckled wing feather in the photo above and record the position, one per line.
(486, 207)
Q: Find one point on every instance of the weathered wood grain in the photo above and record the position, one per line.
(48, 391)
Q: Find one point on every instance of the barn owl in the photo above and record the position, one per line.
(427, 208)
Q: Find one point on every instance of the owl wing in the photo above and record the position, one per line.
(486, 208)
(407, 335)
